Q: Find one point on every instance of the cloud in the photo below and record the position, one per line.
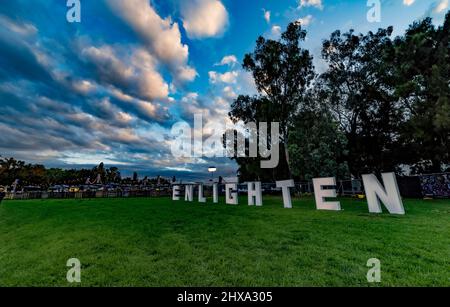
(230, 60)
(151, 84)
(224, 88)
(441, 6)
(104, 109)
(19, 54)
(267, 16)
(229, 93)
(137, 76)
(99, 126)
(274, 33)
(204, 18)
(146, 110)
(408, 2)
(20, 28)
(73, 96)
(437, 8)
(306, 21)
(311, 3)
(227, 77)
(83, 86)
(162, 37)
(59, 99)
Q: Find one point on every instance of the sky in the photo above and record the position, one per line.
(110, 88)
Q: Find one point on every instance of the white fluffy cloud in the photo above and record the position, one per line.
(228, 60)
(162, 37)
(228, 77)
(408, 2)
(136, 76)
(314, 3)
(204, 18)
(150, 84)
(275, 32)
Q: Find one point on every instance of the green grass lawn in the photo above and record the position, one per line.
(157, 242)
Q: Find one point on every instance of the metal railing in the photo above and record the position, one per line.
(87, 194)
(435, 185)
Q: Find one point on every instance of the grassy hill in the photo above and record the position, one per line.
(158, 242)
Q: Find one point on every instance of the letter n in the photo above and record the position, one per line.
(389, 195)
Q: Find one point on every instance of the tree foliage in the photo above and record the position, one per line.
(360, 91)
(422, 63)
(382, 104)
(282, 71)
(322, 155)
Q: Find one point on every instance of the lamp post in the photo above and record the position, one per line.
(212, 170)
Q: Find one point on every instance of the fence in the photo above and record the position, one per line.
(434, 185)
(161, 192)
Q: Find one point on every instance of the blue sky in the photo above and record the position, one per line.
(111, 87)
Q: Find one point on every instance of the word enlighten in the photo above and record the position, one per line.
(324, 188)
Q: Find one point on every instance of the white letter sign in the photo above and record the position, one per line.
(285, 185)
(254, 194)
(176, 192)
(389, 195)
(201, 198)
(231, 194)
(215, 193)
(189, 193)
(322, 194)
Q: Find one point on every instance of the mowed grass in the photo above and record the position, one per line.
(158, 242)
